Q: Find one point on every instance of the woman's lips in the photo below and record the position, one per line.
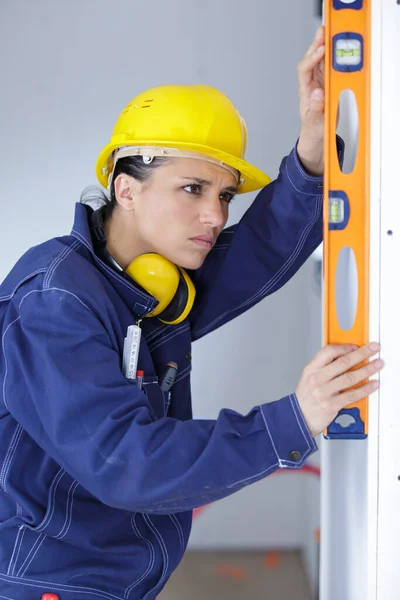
(203, 241)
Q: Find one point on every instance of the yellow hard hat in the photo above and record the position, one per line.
(174, 120)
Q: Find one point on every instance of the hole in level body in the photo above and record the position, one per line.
(345, 420)
(346, 288)
(347, 117)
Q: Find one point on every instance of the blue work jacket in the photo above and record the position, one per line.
(98, 478)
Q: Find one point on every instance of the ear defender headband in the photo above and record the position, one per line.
(162, 279)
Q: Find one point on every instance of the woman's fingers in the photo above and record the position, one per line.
(353, 378)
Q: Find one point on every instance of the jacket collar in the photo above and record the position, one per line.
(140, 302)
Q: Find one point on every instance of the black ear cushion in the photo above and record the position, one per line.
(178, 303)
(96, 225)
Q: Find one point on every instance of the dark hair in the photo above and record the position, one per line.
(130, 165)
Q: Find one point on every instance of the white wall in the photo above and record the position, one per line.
(68, 69)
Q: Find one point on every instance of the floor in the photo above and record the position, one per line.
(235, 575)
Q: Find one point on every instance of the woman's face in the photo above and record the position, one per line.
(180, 211)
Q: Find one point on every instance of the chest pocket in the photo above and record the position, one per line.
(159, 400)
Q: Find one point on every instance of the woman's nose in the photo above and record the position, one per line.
(213, 212)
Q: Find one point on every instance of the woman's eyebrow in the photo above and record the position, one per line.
(200, 181)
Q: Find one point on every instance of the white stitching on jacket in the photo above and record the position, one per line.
(31, 555)
(183, 373)
(68, 512)
(9, 456)
(163, 552)
(17, 544)
(270, 436)
(293, 400)
(151, 561)
(179, 530)
(52, 492)
(57, 261)
(21, 282)
(5, 361)
(169, 336)
(306, 177)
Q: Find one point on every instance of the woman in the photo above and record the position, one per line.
(101, 469)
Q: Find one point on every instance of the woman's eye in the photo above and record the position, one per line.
(193, 188)
(227, 197)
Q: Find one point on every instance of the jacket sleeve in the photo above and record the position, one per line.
(257, 256)
(64, 385)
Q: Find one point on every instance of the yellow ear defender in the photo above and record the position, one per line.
(162, 279)
(166, 282)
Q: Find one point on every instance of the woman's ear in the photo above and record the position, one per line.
(126, 188)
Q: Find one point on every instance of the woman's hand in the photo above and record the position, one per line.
(323, 389)
(311, 71)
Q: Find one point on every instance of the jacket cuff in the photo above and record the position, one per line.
(288, 432)
(303, 181)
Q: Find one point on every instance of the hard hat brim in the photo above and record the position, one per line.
(254, 178)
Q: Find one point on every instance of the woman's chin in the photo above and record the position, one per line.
(190, 260)
(190, 263)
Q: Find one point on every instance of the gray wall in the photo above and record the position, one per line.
(68, 69)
